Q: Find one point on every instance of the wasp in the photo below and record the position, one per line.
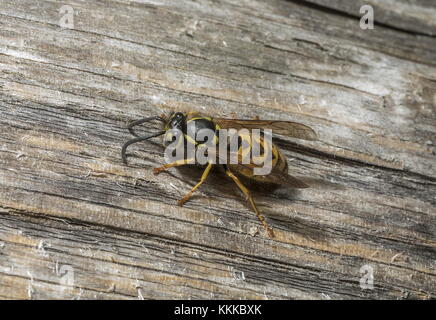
(278, 174)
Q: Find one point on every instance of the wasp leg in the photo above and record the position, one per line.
(177, 163)
(206, 171)
(250, 199)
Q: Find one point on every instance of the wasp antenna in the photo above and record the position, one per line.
(134, 140)
(140, 121)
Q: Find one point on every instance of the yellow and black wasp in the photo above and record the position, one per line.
(279, 168)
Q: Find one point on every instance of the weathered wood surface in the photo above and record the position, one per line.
(68, 206)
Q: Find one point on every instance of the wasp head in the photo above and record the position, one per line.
(175, 127)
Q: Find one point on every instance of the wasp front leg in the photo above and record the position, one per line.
(177, 163)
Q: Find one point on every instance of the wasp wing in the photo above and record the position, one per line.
(285, 128)
(276, 176)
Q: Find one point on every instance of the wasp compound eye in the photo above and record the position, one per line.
(177, 121)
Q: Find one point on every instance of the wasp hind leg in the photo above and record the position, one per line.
(247, 193)
(206, 171)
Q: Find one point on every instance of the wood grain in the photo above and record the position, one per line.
(69, 208)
